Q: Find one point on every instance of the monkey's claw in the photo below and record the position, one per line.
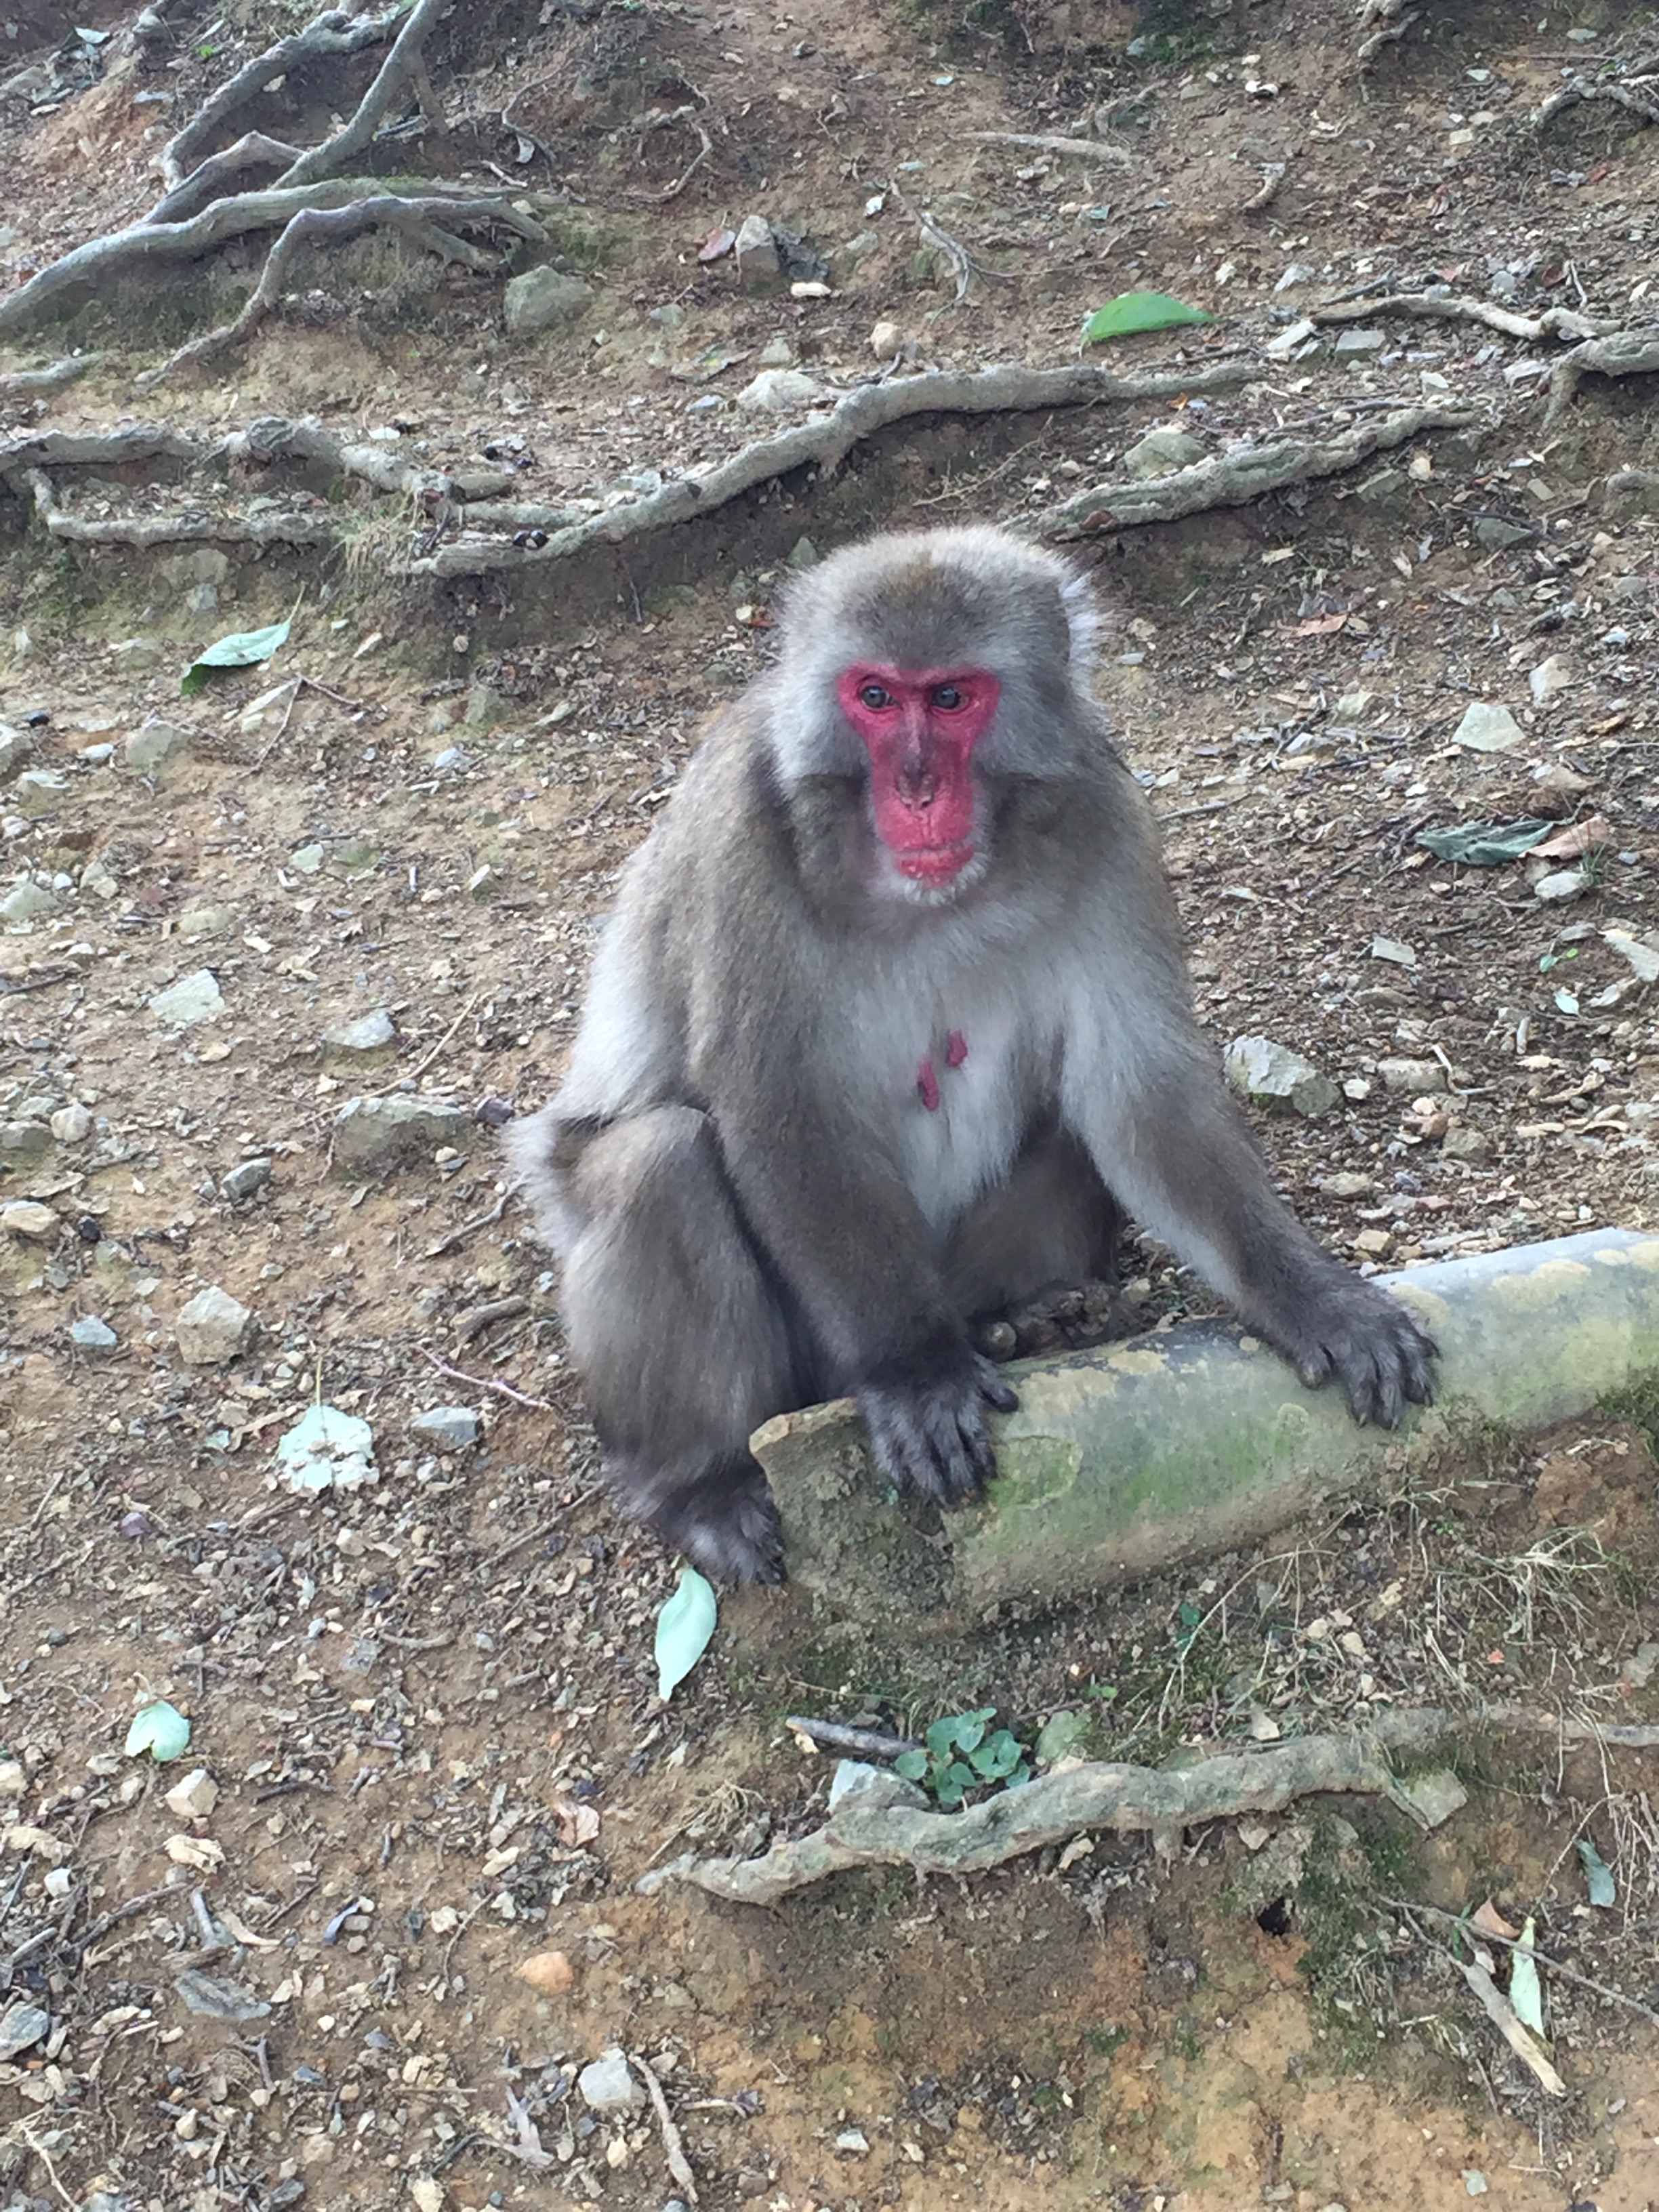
(1370, 1344)
(929, 1437)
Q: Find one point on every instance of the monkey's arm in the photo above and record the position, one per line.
(1141, 1090)
(836, 1220)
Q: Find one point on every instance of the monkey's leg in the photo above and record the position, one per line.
(679, 1337)
(1018, 1262)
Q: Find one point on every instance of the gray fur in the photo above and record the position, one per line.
(752, 1203)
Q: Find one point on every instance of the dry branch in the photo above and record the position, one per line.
(868, 1828)
(39, 383)
(1621, 353)
(1082, 150)
(1502, 2014)
(326, 38)
(1234, 479)
(1454, 307)
(412, 217)
(826, 441)
(328, 159)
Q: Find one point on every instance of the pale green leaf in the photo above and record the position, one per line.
(160, 1729)
(242, 649)
(1139, 311)
(1525, 1995)
(683, 1629)
(1597, 1872)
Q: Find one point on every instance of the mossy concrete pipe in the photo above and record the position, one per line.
(1192, 1440)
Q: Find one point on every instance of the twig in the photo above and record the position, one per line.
(1502, 2014)
(1453, 307)
(1083, 149)
(460, 1236)
(505, 1550)
(705, 150)
(1513, 1943)
(856, 1742)
(483, 1317)
(673, 2149)
(427, 1058)
(489, 1382)
(1234, 479)
(826, 441)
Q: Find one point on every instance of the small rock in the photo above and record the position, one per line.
(549, 1971)
(97, 881)
(451, 1428)
(886, 341)
(212, 1329)
(243, 1181)
(16, 747)
(541, 298)
(1473, 1146)
(193, 999)
(607, 2086)
(309, 860)
(14, 1778)
(483, 708)
(367, 1035)
(1556, 775)
(1549, 676)
(23, 1140)
(1497, 536)
(1433, 1798)
(89, 1334)
(1361, 342)
(374, 1135)
(1488, 729)
(1296, 273)
(1345, 1183)
(157, 743)
(853, 2143)
(1373, 1243)
(777, 353)
(1561, 886)
(759, 265)
(26, 901)
(27, 1218)
(193, 1797)
(779, 392)
(40, 790)
(1411, 1075)
(71, 1124)
(1162, 451)
(22, 2026)
(1273, 1075)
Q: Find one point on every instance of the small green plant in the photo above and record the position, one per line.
(961, 1757)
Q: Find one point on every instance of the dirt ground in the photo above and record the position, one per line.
(429, 1706)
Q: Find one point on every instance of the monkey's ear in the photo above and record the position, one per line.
(1081, 613)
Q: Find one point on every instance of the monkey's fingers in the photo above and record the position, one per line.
(929, 1437)
(992, 1388)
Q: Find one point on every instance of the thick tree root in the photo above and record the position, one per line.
(176, 529)
(329, 37)
(1621, 353)
(1234, 479)
(824, 443)
(879, 1824)
(39, 383)
(1395, 20)
(1453, 307)
(1621, 95)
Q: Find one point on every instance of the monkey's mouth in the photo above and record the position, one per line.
(936, 864)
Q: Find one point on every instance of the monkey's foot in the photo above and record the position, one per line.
(1366, 1340)
(724, 1520)
(1068, 1319)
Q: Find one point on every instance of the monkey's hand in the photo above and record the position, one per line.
(1348, 1329)
(927, 1425)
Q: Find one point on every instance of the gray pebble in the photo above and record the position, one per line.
(608, 2085)
(451, 1428)
(242, 1182)
(91, 1334)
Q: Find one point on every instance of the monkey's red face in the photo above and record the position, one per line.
(920, 727)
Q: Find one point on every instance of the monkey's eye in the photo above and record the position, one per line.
(948, 696)
(875, 696)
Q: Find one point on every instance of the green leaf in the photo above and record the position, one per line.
(243, 648)
(954, 1783)
(942, 1736)
(1485, 844)
(1004, 1752)
(912, 1765)
(683, 1628)
(160, 1729)
(1602, 1888)
(1567, 1001)
(970, 1731)
(1139, 311)
(1525, 1995)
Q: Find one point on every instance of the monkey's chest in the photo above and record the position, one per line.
(962, 1099)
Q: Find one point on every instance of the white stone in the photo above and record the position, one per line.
(212, 1329)
(27, 1217)
(541, 298)
(607, 2086)
(157, 742)
(1549, 676)
(1488, 729)
(193, 999)
(71, 1124)
(195, 1797)
(779, 392)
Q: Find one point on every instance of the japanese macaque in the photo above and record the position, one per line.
(889, 1031)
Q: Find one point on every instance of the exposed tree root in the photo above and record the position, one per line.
(1234, 479)
(824, 442)
(177, 529)
(415, 219)
(327, 37)
(1608, 88)
(879, 1823)
(39, 383)
(331, 156)
(1454, 307)
(254, 150)
(1394, 19)
(1080, 149)
(1621, 353)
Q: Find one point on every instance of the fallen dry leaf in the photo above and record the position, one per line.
(1486, 1917)
(1578, 838)
(577, 1824)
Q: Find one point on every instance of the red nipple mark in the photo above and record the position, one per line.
(956, 1049)
(927, 1086)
